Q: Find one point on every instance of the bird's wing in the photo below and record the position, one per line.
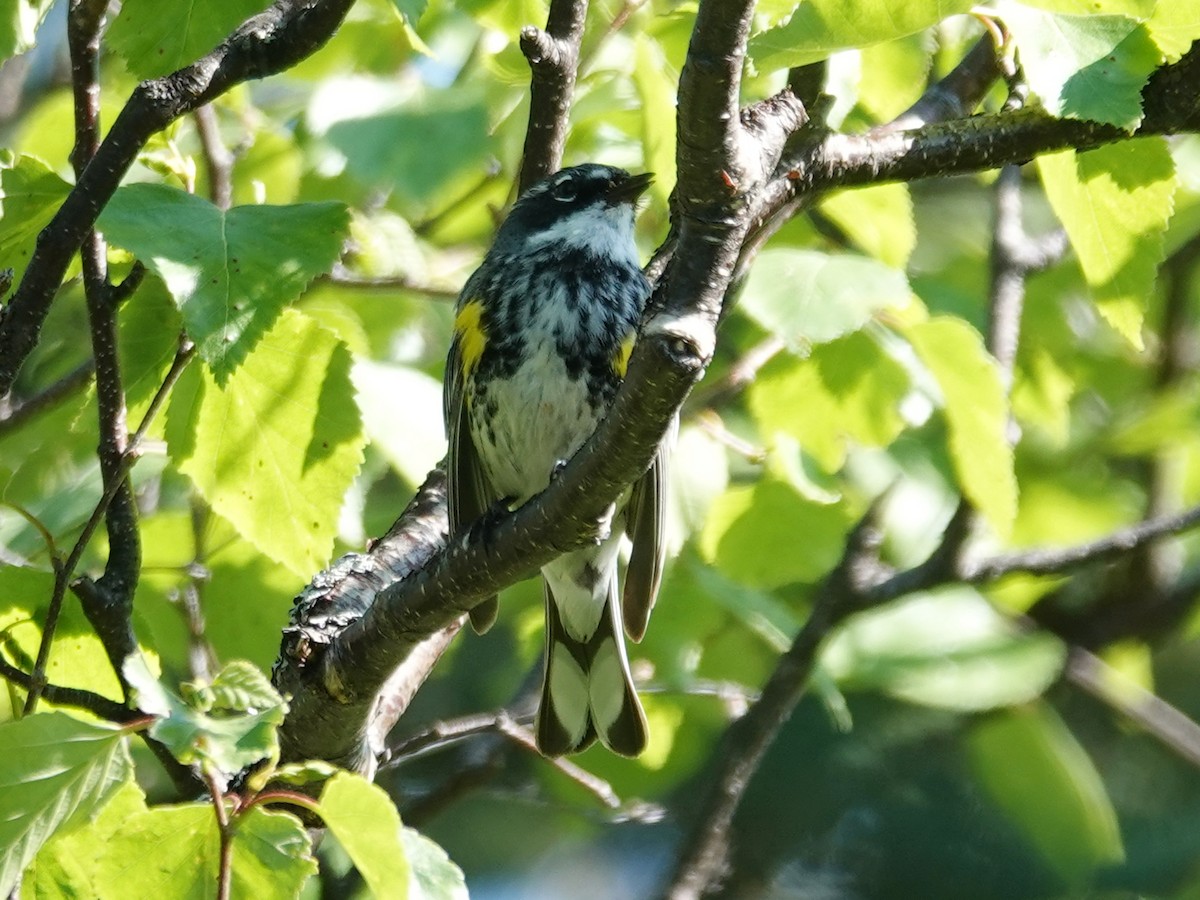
(468, 494)
(645, 523)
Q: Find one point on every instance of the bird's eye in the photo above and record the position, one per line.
(565, 191)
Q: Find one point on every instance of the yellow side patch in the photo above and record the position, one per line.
(471, 335)
(620, 362)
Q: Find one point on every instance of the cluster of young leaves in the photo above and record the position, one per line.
(77, 824)
(313, 407)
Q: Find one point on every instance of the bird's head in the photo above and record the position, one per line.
(583, 208)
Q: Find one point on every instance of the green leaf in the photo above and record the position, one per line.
(1134, 9)
(1115, 203)
(412, 10)
(752, 535)
(879, 219)
(55, 770)
(365, 822)
(66, 865)
(174, 852)
(892, 77)
(379, 149)
(229, 272)
(242, 687)
(1174, 27)
(30, 195)
(434, 876)
(806, 297)
(310, 771)
(149, 335)
(229, 740)
(976, 411)
(272, 855)
(19, 22)
(822, 27)
(77, 657)
(948, 649)
(274, 449)
(655, 85)
(848, 390)
(1038, 774)
(411, 437)
(167, 851)
(156, 37)
(1085, 67)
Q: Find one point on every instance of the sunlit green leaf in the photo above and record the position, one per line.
(380, 149)
(30, 194)
(768, 535)
(1135, 9)
(950, 649)
(1174, 27)
(230, 272)
(821, 27)
(1034, 769)
(271, 855)
(1087, 66)
(55, 770)
(66, 865)
(184, 862)
(155, 37)
(879, 220)
(411, 436)
(241, 687)
(1114, 203)
(806, 297)
(848, 390)
(77, 657)
(976, 411)
(228, 739)
(274, 448)
(19, 22)
(366, 824)
(656, 88)
(892, 77)
(434, 876)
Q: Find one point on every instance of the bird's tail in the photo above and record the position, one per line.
(587, 690)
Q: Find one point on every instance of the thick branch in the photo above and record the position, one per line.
(280, 36)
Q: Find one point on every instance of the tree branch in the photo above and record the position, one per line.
(821, 162)
(74, 697)
(280, 36)
(22, 411)
(553, 57)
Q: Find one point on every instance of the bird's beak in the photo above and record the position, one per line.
(628, 189)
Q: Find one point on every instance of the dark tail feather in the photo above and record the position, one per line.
(587, 691)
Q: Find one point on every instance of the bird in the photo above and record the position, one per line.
(543, 331)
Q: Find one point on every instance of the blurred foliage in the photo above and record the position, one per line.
(940, 752)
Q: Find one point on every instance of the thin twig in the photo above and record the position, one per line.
(1043, 561)
(225, 868)
(66, 569)
(343, 277)
(83, 40)
(21, 412)
(217, 159)
(1158, 717)
(76, 697)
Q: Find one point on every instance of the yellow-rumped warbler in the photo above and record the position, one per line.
(542, 335)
